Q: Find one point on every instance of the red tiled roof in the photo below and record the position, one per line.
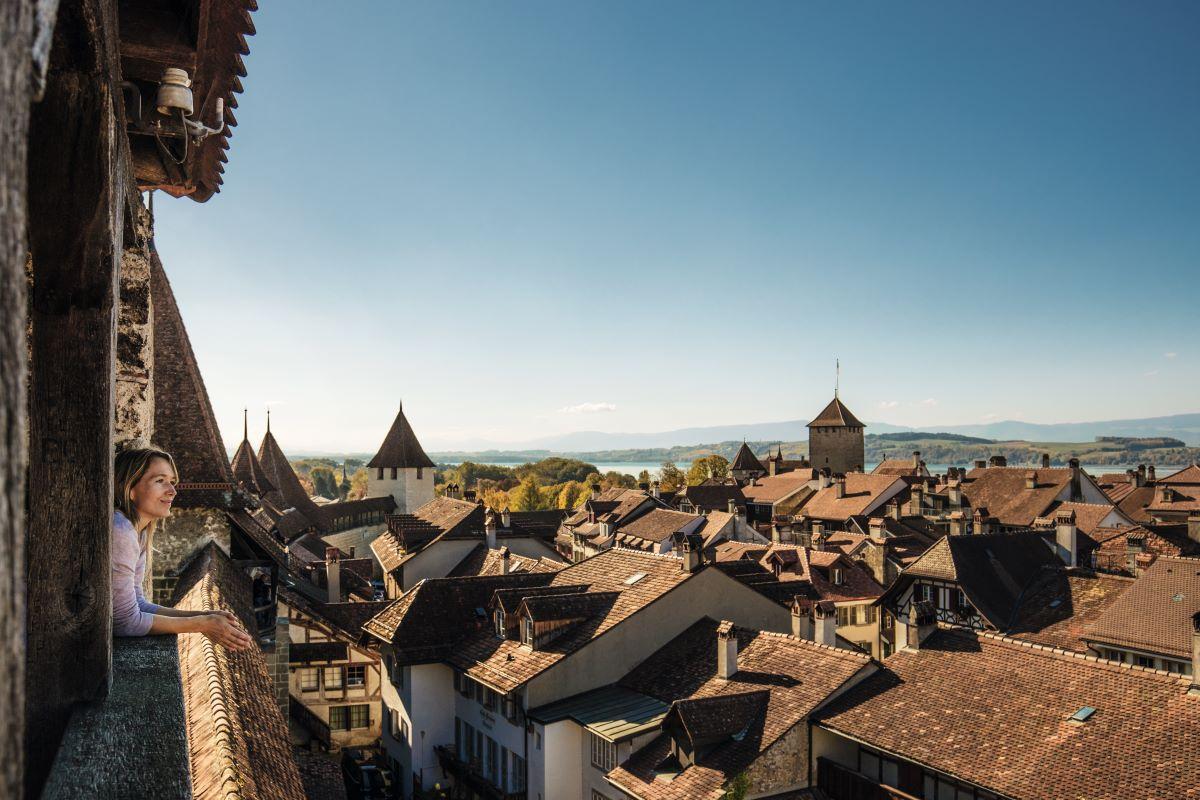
(1156, 613)
(836, 415)
(862, 494)
(1061, 604)
(775, 488)
(1189, 475)
(1002, 491)
(996, 712)
(408, 534)
(657, 525)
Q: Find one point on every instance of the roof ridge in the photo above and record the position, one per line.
(841, 651)
(217, 682)
(1061, 654)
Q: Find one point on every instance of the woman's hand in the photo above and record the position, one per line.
(222, 628)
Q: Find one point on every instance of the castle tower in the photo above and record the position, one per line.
(401, 469)
(746, 466)
(835, 439)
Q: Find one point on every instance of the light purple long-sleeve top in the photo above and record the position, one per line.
(131, 610)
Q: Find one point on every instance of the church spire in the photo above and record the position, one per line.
(837, 375)
(268, 419)
(245, 424)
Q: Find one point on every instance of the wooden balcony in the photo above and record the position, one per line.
(470, 775)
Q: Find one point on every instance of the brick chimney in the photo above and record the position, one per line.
(916, 459)
(693, 552)
(1141, 470)
(1194, 689)
(998, 461)
(839, 486)
(505, 560)
(656, 489)
(893, 508)
(1045, 461)
(825, 623)
(958, 523)
(333, 574)
(1066, 537)
(727, 651)
(1031, 479)
(489, 528)
(877, 531)
(1194, 526)
(915, 509)
(1150, 474)
(911, 633)
(801, 622)
(1076, 481)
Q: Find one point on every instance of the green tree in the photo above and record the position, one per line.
(670, 477)
(525, 497)
(706, 467)
(644, 476)
(569, 494)
(324, 483)
(358, 484)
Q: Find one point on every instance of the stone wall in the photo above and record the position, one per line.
(278, 655)
(135, 336)
(841, 449)
(784, 765)
(181, 536)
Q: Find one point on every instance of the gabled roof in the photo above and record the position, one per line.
(711, 496)
(1156, 613)
(408, 534)
(992, 570)
(237, 738)
(1089, 516)
(774, 488)
(746, 461)
(996, 712)
(400, 447)
(836, 415)
(863, 494)
(1002, 491)
(658, 525)
(290, 493)
(798, 563)
(779, 682)
(1189, 475)
(484, 561)
(1061, 604)
(246, 468)
(184, 423)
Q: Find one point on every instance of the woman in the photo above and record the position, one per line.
(144, 481)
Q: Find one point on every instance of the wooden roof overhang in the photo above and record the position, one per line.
(207, 38)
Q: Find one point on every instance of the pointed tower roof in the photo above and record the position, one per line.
(400, 447)
(246, 466)
(280, 472)
(746, 461)
(836, 415)
(184, 423)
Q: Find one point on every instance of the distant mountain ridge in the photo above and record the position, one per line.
(1179, 426)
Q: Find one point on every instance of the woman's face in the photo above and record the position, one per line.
(153, 494)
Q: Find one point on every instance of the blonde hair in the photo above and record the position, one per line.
(133, 459)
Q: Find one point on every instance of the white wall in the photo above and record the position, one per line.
(436, 560)
(529, 547)
(408, 492)
(558, 763)
(431, 717)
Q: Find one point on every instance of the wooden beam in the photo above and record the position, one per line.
(18, 76)
(78, 177)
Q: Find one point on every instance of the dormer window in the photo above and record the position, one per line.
(499, 620)
(837, 576)
(527, 631)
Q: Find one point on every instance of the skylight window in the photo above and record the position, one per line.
(1056, 602)
(1178, 598)
(1083, 714)
(634, 578)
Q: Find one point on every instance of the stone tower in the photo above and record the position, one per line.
(401, 469)
(835, 439)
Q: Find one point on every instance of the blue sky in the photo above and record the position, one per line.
(529, 218)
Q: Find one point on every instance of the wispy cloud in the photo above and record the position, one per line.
(928, 402)
(1170, 355)
(1150, 373)
(888, 403)
(588, 408)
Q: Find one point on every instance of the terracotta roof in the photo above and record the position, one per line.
(996, 712)
(237, 738)
(797, 563)
(482, 561)
(863, 493)
(1002, 491)
(345, 620)
(1182, 498)
(746, 461)
(991, 569)
(779, 682)
(400, 447)
(836, 415)
(1061, 604)
(543, 524)
(1189, 475)
(184, 423)
(1088, 516)
(775, 488)
(712, 497)
(408, 534)
(657, 525)
(1156, 613)
(896, 467)
(426, 622)
(1135, 502)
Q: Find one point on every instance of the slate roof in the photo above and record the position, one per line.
(774, 488)
(184, 423)
(1061, 604)
(247, 470)
(836, 415)
(1156, 612)
(995, 712)
(991, 569)
(779, 682)
(862, 494)
(237, 738)
(400, 447)
(746, 461)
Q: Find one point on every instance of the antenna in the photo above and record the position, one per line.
(268, 419)
(837, 379)
(245, 424)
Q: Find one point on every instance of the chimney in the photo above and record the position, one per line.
(1045, 461)
(878, 534)
(911, 633)
(333, 574)
(801, 621)
(505, 560)
(1194, 689)
(1065, 537)
(1131, 477)
(915, 499)
(839, 486)
(595, 487)
(656, 490)
(954, 492)
(469, 495)
(1031, 479)
(731, 506)
(825, 623)
(693, 552)
(958, 523)
(980, 464)
(1141, 470)
(1150, 474)
(505, 518)
(823, 478)
(644, 486)
(727, 651)
(1076, 481)
(489, 528)
(893, 508)
(983, 523)
(776, 536)
(916, 459)
(1194, 526)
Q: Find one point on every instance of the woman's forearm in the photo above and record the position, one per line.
(178, 623)
(163, 611)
